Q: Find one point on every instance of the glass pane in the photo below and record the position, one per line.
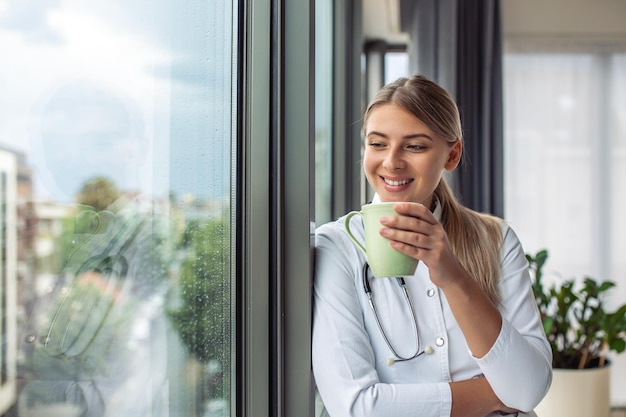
(118, 119)
(396, 66)
(323, 110)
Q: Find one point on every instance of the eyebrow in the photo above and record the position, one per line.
(409, 136)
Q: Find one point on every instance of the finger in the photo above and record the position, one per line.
(407, 249)
(415, 210)
(409, 223)
(409, 238)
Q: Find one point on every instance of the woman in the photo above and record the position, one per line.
(476, 346)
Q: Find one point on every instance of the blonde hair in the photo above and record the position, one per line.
(475, 238)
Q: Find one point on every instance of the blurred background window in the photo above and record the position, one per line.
(565, 154)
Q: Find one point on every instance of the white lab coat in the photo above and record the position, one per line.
(350, 355)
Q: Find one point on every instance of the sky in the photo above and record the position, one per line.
(136, 90)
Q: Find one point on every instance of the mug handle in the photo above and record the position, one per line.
(347, 229)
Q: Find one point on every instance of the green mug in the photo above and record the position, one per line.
(383, 259)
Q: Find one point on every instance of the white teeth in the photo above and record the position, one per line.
(396, 183)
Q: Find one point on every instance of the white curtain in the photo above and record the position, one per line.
(565, 163)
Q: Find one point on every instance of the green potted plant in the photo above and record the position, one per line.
(582, 332)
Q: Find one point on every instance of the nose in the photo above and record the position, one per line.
(394, 160)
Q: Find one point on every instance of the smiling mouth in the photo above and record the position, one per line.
(396, 183)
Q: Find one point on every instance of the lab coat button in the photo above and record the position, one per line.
(439, 342)
(430, 292)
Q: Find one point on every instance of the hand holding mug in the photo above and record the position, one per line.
(384, 260)
(416, 232)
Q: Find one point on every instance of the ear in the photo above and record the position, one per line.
(454, 155)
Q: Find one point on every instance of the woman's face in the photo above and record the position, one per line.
(404, 160)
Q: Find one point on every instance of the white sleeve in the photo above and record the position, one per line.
(343, 360)
(519, 365)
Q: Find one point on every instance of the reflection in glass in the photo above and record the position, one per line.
(117, 117)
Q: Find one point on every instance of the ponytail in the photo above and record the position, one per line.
(476, 240)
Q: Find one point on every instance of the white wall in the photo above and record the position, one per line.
(564, 17)
(575, 19)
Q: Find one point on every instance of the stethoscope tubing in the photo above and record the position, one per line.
(368, 291)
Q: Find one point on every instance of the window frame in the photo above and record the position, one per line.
(275, 186)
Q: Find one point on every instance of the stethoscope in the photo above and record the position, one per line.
(398, 358)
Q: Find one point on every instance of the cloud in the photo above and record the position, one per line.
(63, 101)
(30, 18)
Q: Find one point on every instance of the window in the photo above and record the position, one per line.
(121, 117)
(565, 144)
(565, 157)
(396, 65)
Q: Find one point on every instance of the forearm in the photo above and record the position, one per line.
(477, 316)
(474, 398)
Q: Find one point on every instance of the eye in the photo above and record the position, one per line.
(415, 147)
(375, 144)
